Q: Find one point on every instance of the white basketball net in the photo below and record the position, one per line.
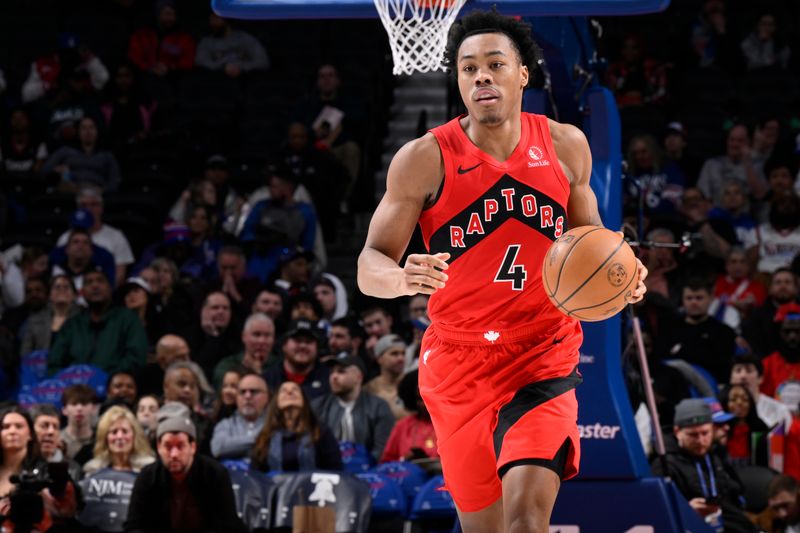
(418, 31)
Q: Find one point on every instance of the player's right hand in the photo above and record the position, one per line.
(423, 273)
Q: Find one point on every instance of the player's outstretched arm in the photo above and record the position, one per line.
(576, 160)
(414, 176)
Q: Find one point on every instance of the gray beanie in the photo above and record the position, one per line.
(175, 417)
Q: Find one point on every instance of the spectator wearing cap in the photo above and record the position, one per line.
(722, 425)
(235, 436)
(103, 235)
(258, 338)
(353, 414)
(134, 294)
(735, 165)
(699, 474)
(109, 337)
(747, 439)
(300, 349)
(165, 48)
(86, 165)
(169, 349)
(276, 223)
(675, 152)
(43, 325)
(760, 329)
(183, 490)
(782, 367)
(748, 370)
(79, 255)
(294, 270)
(215, 335)
(233, 52)
(390, 352)
(783, 513)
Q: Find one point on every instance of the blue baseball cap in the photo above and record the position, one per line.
(718, 414)
(81, 218)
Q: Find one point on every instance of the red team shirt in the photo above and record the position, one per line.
(497, 221)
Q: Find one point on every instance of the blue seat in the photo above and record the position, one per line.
(85, 375)
(32, 369)
(433, 502)
(411, 477)
(355, 457)
(388, 498)
(47, 391)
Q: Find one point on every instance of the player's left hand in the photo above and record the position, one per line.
(638, 293)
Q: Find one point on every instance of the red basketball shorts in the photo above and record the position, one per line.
(495, 404)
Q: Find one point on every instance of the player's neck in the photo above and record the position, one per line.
(498, 140)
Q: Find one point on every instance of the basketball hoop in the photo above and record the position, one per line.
(417, 31)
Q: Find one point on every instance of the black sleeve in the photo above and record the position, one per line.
(140, 509)
(225, 516)
(327, 450)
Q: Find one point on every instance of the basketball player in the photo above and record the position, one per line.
(491, 191)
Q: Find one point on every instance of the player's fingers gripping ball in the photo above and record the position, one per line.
(589, 273)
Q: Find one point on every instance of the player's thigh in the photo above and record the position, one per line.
(529, 493)
(488, 520)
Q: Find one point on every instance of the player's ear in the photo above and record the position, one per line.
(525, 75)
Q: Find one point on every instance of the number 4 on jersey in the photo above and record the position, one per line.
(515, 274)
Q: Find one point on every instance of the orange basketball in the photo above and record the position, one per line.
(589, 272)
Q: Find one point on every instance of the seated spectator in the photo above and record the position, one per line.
(169, 349)
(277, 223)
(79, 255)
(35, 301)
(634, 78)
(735, 165)
(660, 183)
(747, 439)
(231, 51)
(258, 338)
(665, 274)
(79, 407)
(225, 404)
(120, 443)
(783, 365)
(215, 336)
(47, 424)
(700, 475)
(762, 48)
(128, 111)
(200, 193)
(390, 353)
(300, 348)
(331, 294)
(43, 326)
(173, 300)
(353, 414)
(134, 294)
(335, 117)
(781, 176)
(304, 306)
(19, 451)
(783, 505)
(182, 384)
(86, 165)
(165, 48)
(293, 440)
(103, 235)
(778, 239)
(121, 390)
(146, 410)
(736, 293)
(716, 235)
(343, 337)
(241, 289)
(72, 58)
(675, 151)
(412, 437)
(748, 371)
(182, 490)
(766, 136)
(175, 246)
(377, 323)
(205, 247)
(712, 41)
(698, 338)
(16, 267)
(760, 330)
(102, 335)
(234, 436)
(735, 211)
(270, 302)
(294, 270)
(20, 152)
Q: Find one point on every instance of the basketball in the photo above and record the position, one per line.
(589, 272)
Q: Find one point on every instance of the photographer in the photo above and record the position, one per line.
(32, 495)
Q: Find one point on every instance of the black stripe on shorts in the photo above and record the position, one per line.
(528, 398)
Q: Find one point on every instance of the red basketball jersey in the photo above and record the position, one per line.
(497, 221)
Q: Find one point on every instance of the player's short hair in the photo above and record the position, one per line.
(477, 22)
(699, 284)
(78, 393)
(781, 483)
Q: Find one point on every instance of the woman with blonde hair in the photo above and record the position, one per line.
(120, 444)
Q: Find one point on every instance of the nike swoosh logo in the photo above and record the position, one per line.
(465, 170)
